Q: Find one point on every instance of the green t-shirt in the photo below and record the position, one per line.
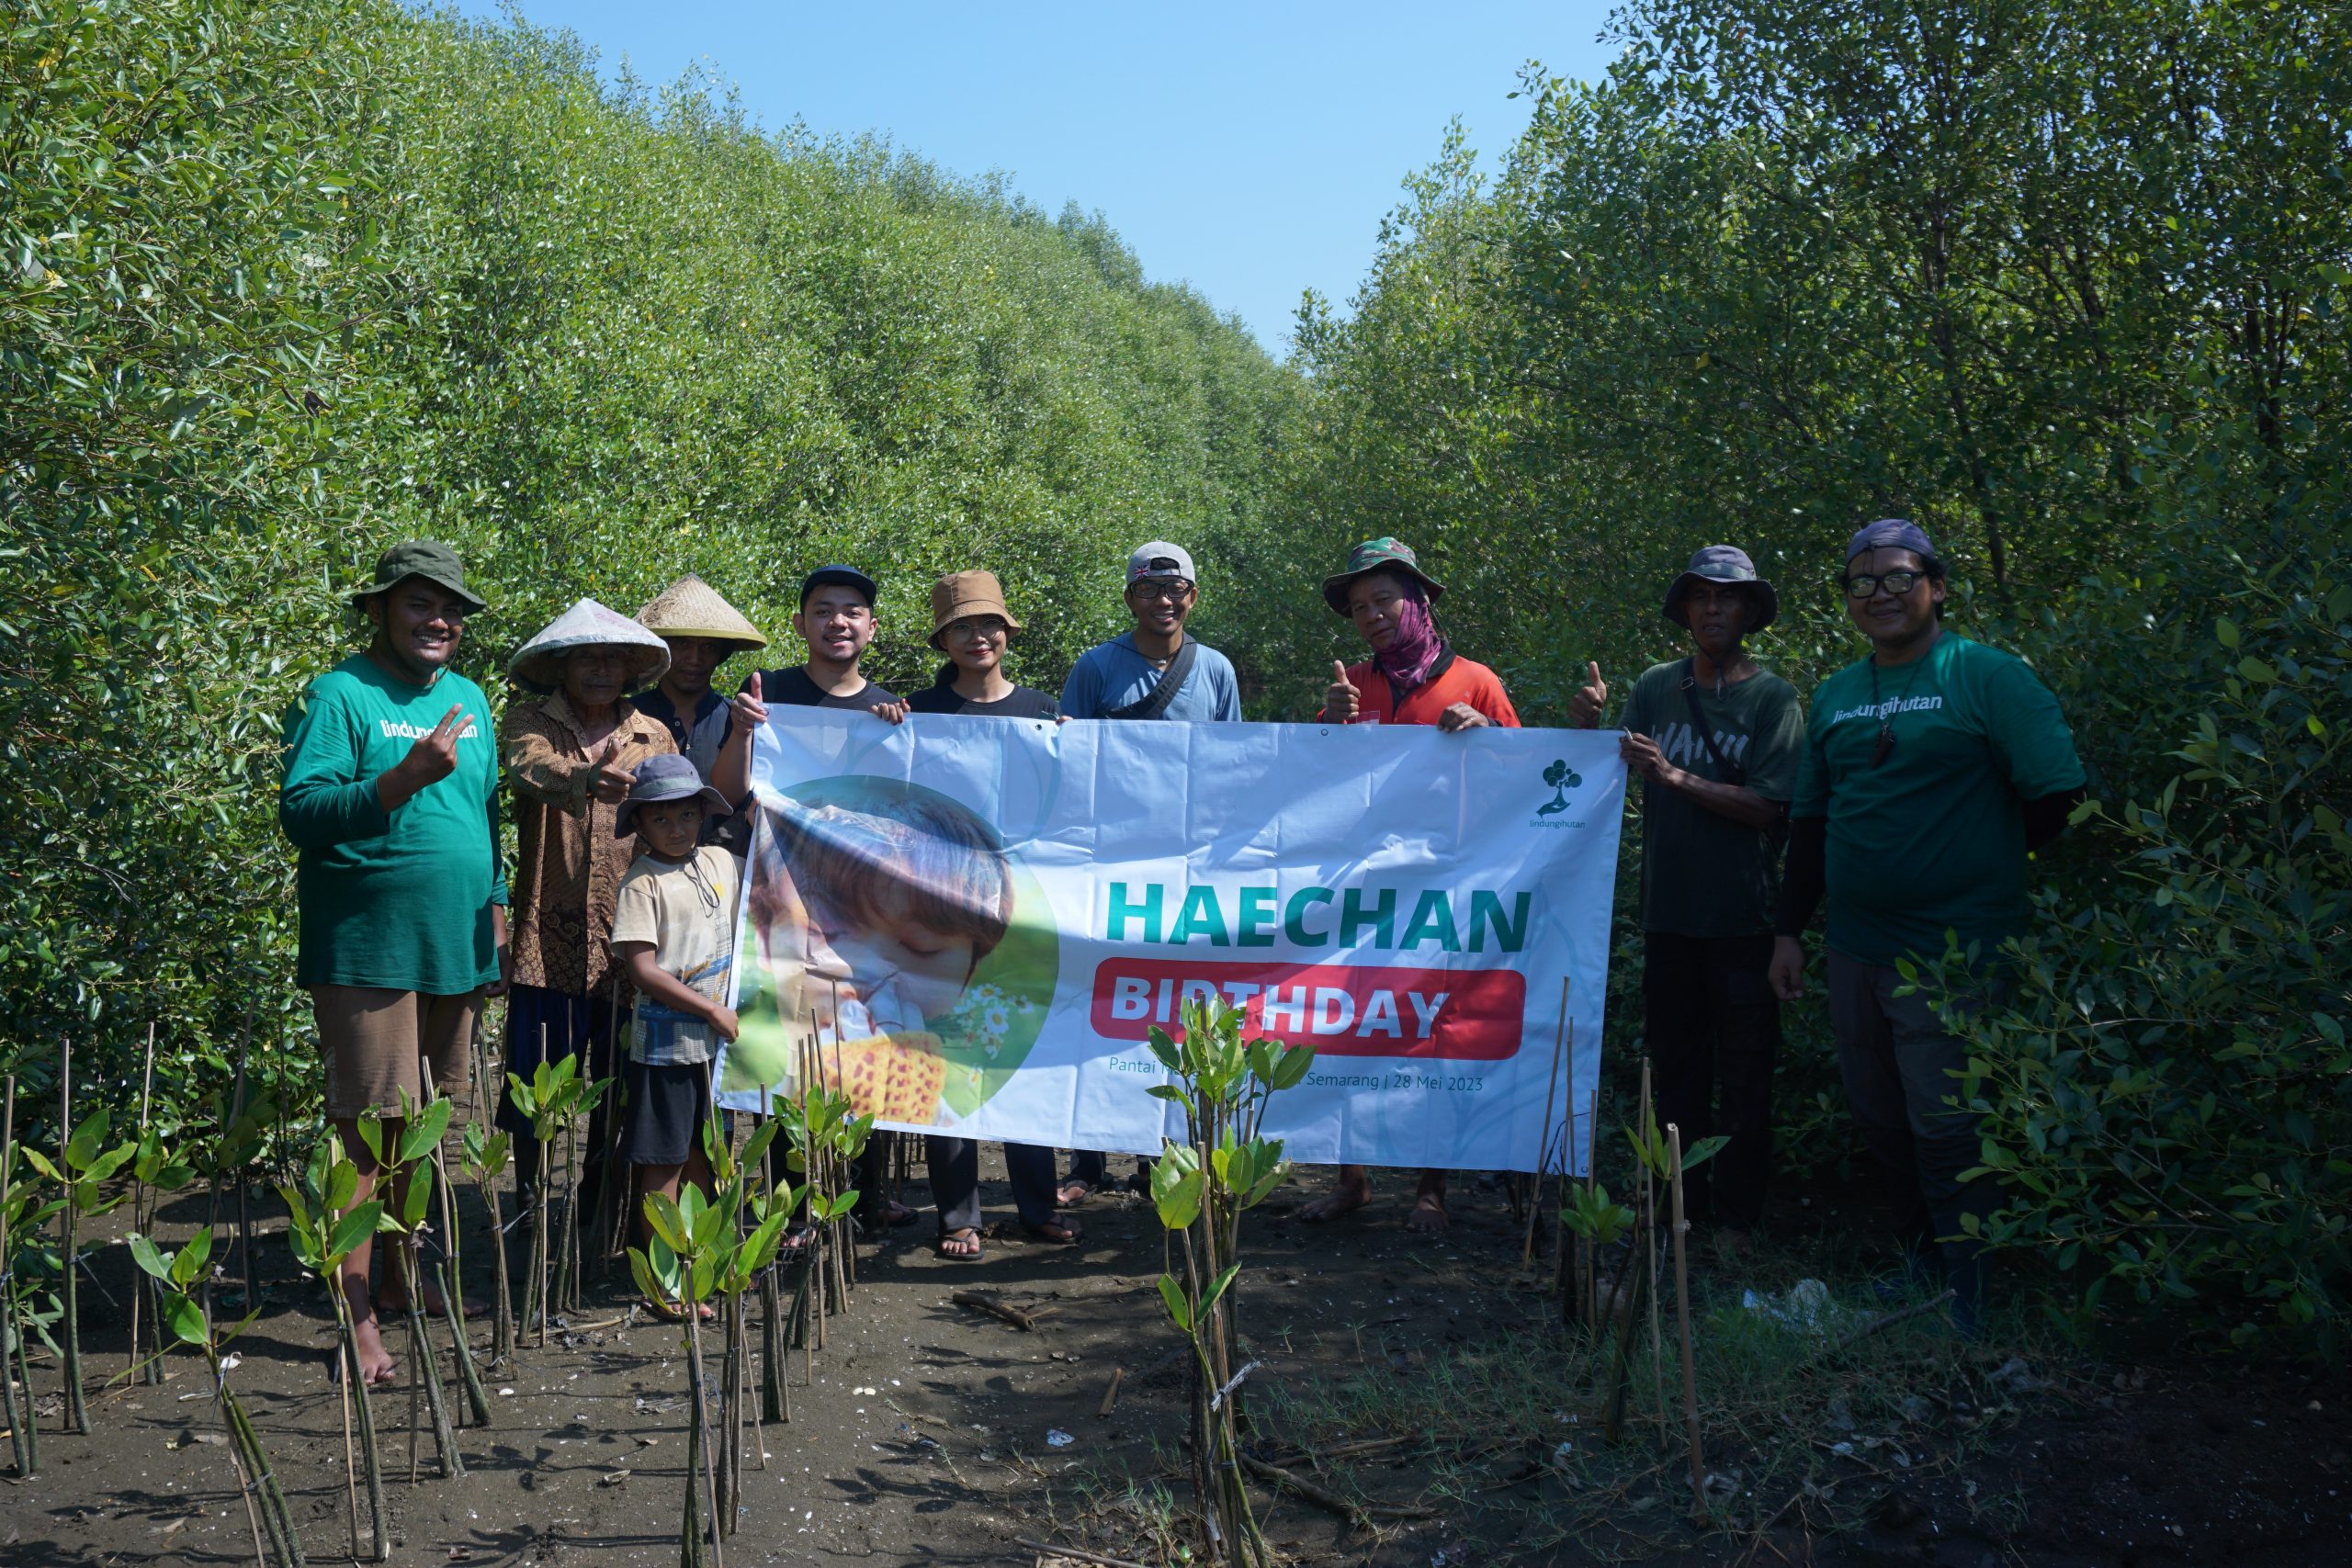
(399, 900)
(1702, 874)
(1932, 839)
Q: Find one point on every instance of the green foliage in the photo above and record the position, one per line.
(287, 282)
(2069, 285)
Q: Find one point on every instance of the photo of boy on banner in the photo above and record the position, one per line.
(871, 907)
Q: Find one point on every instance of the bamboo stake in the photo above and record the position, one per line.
(502, 1334)
(244, 1208)
(1543, 1153)
(140, 1284)
(1655, 1259)
(452, 1271)
(350, 1461)
(22, 1439)
(77, 1414)
(1683, 1318)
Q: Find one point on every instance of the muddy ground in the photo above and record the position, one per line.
(936, 1435)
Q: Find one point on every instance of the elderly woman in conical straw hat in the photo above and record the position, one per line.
(569, 748)
(704, 631)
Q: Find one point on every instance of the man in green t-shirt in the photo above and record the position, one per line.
(1932, 768)
(1715, 739)
(391, 795)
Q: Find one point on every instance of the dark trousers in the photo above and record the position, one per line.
(1899, 1064)
(1093, 1167)
(1713, 1029)
(956, 1182)
(545, 1026)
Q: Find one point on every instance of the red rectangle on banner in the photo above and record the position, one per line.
(1342, 1009)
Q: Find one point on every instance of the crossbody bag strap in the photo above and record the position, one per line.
(1156, 702)
(1733, 773)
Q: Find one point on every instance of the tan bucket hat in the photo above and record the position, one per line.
(538, 663)
(963, 594)
(691, 607)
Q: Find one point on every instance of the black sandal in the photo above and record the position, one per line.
(965, 1233)
(1060, 1233)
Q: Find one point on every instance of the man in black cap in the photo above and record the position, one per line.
(1716, 740)
(836, 621)
(1931, 768)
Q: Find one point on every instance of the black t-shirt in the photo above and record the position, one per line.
(1021, 702)
(793, 689)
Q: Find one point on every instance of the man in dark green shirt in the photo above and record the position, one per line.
(1931, 768)
(391, 796)
(1715, 739)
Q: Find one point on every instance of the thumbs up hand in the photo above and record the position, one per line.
(607, 780)
(750, 712)
(1342, 703)
(1591, 700)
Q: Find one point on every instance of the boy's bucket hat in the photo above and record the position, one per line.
(691, 607)
(963, 594)
(427, 559)
(1383, 554)
(538, 663)
(1723, 563)
(667, 777)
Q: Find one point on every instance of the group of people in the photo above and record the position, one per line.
(1908, 796)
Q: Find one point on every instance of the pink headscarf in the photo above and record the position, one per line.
(1416, 647)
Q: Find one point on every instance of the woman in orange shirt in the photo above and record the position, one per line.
(1412, 677)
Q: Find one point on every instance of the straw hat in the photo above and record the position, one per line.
(538, 663)
(963, 594)
(691, 607)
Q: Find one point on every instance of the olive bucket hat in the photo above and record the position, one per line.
(1723, 563)
(428, 558)
(538, 663)
(1383, 554)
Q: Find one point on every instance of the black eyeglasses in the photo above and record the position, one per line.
(1896, 582)
(1170, 588)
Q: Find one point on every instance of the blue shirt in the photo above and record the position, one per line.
(1113, 675)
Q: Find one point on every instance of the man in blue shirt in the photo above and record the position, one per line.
(1155, 671)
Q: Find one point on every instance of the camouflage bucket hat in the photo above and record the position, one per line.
(1384, 554)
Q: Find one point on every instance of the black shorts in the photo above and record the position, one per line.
(664, 1112)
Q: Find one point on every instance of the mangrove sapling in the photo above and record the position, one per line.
(548, 1101)
(486, 1157)
(747, 1261)
(693, 1251)
(21, 1214)
(775, 1394)
(154, 1170)
(404, 1162)
(1200, 1188)
(448, 1264)
(325, 1228)
(82, 1168)
(181, 1273)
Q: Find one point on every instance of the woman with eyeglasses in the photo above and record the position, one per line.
(1932, 768)
(972, 624)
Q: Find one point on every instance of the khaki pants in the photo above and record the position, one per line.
(376, 1043)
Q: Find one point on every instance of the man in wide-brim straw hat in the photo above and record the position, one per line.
(569, 753)
(704, 631)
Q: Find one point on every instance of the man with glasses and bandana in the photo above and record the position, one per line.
(1157, 671)
(1932, 768)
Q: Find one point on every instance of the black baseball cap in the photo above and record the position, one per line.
(840, 576)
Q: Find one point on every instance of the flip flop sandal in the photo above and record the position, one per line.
(1085, 1190)
(1055, 1231)
(970, 1237)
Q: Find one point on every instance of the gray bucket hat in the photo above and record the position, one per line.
(538, 663)
(666, 776)
(1723, 563)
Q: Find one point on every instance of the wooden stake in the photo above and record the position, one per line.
(140, 1282)
(1682, 1317)
(21, 1436)
(1111, 1395)
(244, 1208)
(1543, 1153)
(77, 1415)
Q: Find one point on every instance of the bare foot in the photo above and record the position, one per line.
(376, 1364)
(1428, 1216)
(1072, 1193)
(1345, 1198)
(962, 1244)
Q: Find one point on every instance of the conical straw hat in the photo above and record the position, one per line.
(691, 607)
(538, 663)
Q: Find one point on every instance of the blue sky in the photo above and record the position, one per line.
(1250, 150)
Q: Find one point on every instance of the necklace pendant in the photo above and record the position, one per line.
(1885, 743)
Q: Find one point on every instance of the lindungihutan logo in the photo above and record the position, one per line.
(1562, 778)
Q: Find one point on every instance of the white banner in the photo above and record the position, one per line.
(976, 920)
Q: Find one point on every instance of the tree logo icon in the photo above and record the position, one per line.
(1562, 778)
